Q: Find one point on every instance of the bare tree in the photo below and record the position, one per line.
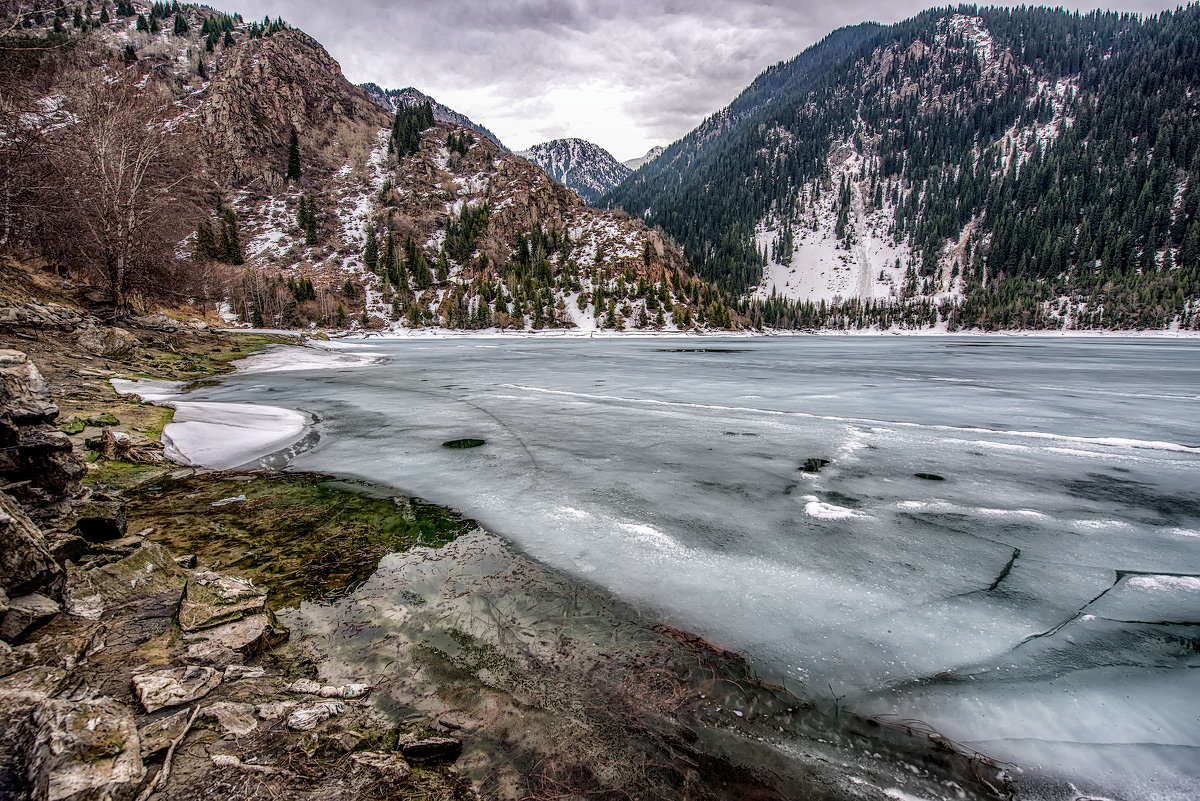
(127, 188)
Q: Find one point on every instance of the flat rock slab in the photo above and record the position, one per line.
(212, 599)
(174, 686)
(246, 637)
(84, 750)
(236, 719)
(157, 735)
(390, 769)
(25, 614)
(149, 570)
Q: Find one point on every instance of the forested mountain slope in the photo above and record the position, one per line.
(264, 183)
(997, 168)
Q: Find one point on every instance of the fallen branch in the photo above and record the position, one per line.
(165, 771)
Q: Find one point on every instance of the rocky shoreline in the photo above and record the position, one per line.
(155, 665)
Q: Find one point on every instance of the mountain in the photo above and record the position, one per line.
(585, 167)
(391, 99)
(651, 155)
(994, 168)
(270, 187)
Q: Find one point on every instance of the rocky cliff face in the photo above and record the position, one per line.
(36, 460)
(269, 85)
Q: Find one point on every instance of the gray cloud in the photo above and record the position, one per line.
(626, 74)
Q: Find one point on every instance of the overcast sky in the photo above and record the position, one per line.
(625, 74)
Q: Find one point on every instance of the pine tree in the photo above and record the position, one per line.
(310, 222)
(256, 318)
(229, 238)
(293, 165)
(104, 18)
(130, 54)
(202, 70)
(205, 246)
(154, 26)
(228, 40)
(371, 251)
(142, 24)
(181, 26)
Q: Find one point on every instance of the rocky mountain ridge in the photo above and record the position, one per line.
(583, 166)
(392, 99)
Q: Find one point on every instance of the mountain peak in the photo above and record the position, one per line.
(579, 164)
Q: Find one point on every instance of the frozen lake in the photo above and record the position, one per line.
(997, 536)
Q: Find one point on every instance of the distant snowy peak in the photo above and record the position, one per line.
(583, 166)
(650, 156)
(392, 99)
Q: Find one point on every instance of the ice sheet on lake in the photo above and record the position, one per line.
(286, 358)
(1038, 602)
(226, 435)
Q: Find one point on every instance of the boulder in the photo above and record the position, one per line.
(157, 735)
(107, 343)
(149, 570)
(26, 563)
(389, 769)
(24, 397)
(26, 613)
(212, 599)
(3, 602)
(84, 750)
(174, 686)
(247, 637)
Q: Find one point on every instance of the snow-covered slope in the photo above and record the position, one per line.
(583, 166)
(651, 155)
(391, 99)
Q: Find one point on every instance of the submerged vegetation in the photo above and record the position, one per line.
(305, 536)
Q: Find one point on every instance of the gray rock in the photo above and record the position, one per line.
(25, 560)
(157, 735)
(107, 343)
(3, 602)
(212, 599)
(23, 392)
(149, 570)
(236, 719)
(156, 321)
(42, 316)
(84, 750)
(389, 769)
(434, 748)
(174, 686)
(247, 637)
(187, 562)
(25, 614)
